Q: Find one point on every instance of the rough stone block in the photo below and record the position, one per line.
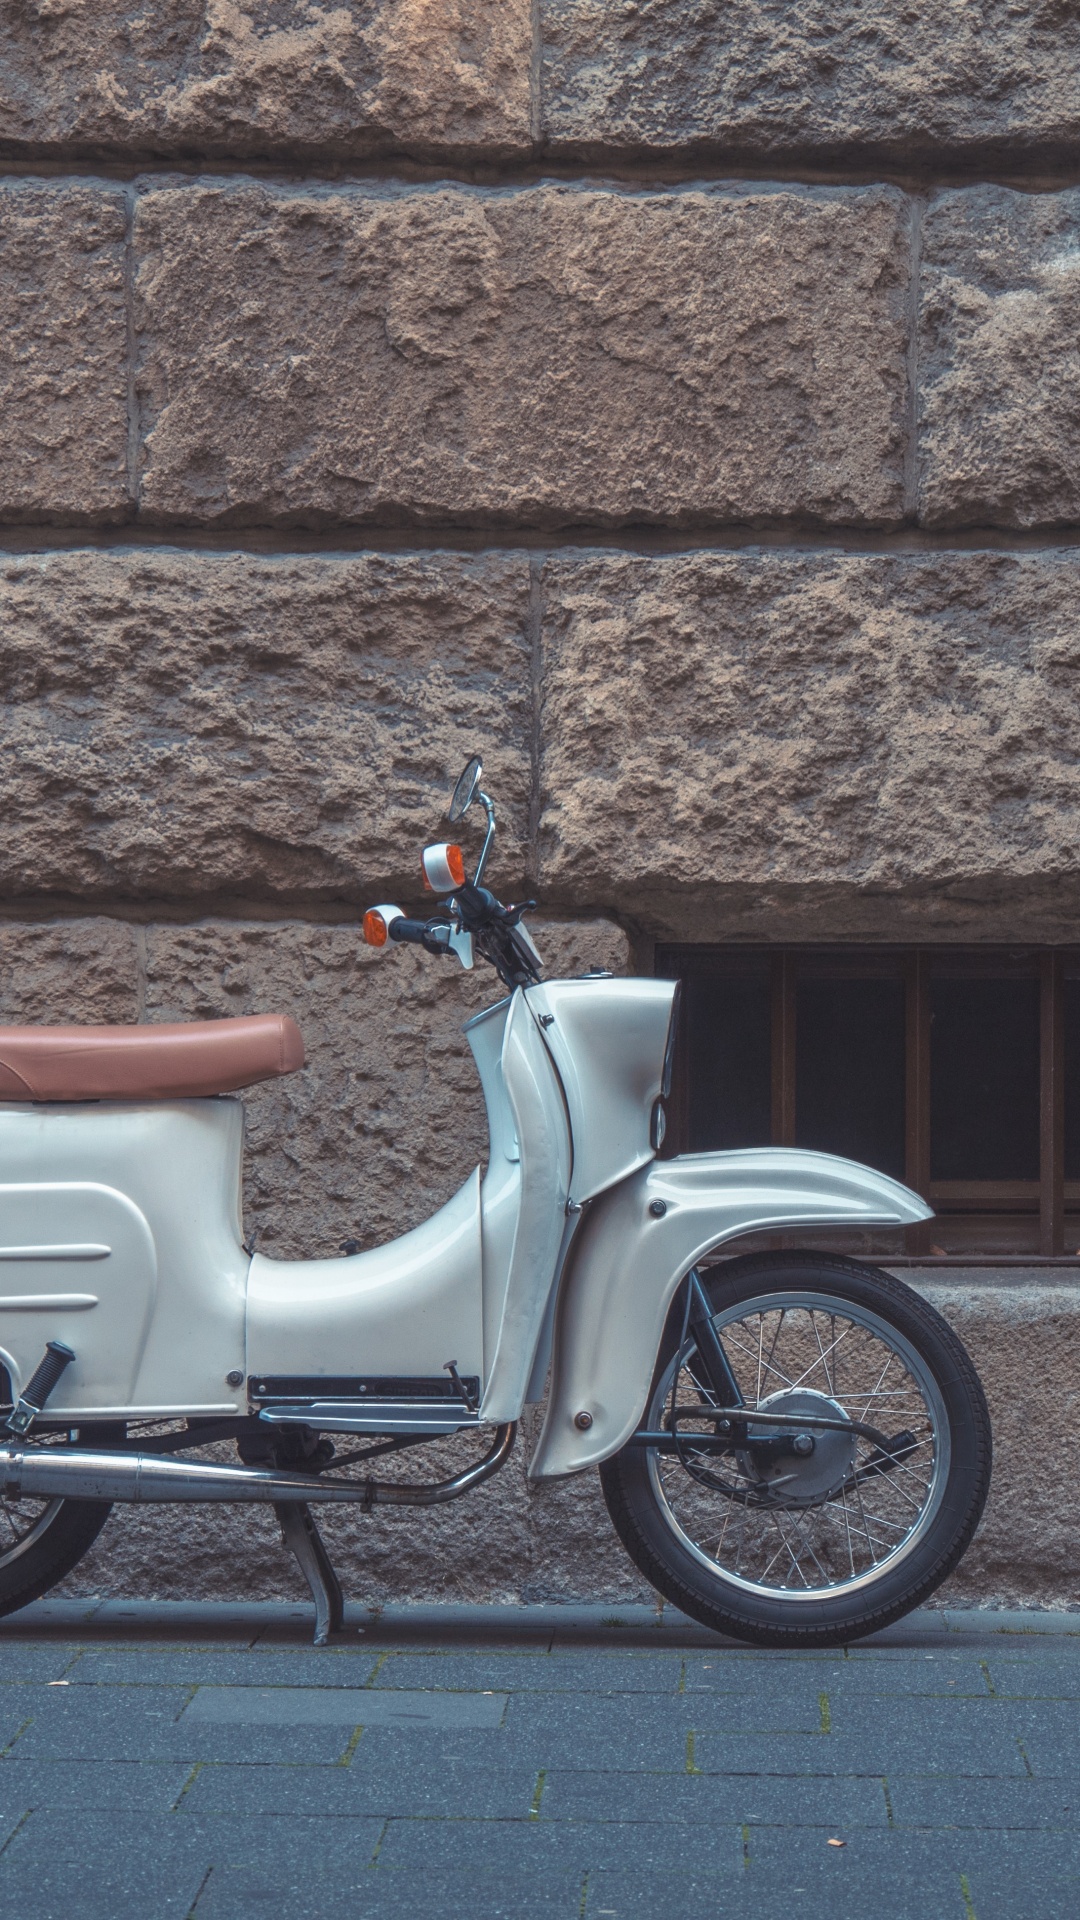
(386, 1120)
(551, 355)
(68, 970)
(814, 745)
(341, 79)
(63, 373)
(1018, 1334)
(181, 725)
(850, 81)
(999, 359)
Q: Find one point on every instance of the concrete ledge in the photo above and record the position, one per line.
(251, 1622)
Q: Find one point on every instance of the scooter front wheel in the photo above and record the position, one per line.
(796, 1529)
(41, 1541)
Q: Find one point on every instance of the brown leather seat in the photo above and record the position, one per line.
(180, 1062)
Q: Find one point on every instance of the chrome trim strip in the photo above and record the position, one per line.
(44, 1302)
(70, 1250)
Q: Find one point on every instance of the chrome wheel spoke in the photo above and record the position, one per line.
(828, 1516)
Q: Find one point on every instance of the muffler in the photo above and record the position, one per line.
(75, 1473)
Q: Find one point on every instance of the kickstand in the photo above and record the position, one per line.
(305, 1542)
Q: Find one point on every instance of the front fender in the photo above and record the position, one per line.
(626, 1264)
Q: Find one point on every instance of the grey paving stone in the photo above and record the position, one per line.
(290, 1844)
(93, 1706)
(871, 1859)
(387, 1895)
(686, 1896)
(139, 1723)
(673, 1896)
(38, 1888)
(220, 1666)
(563, 1670)
(799, 1708)
(947, 1729)
(789, 1754)
(527, 1847)
(382, 1783)
(703, 1798)
(574, 1711)
(757, 1676)
(268, 1788)
(919, 1747)
(946, 1671)
(92, 1785)
(1051, 1752)
(28, 1662)
(1050, 1892)
(435, 1748)
(299, 1844)
(459, 1789)
(343, 1706)
(1036, 1677)
(991, 1804)
(557, 1731)
(951, 1715)
(797, 1856)
(878, 1699)
(17, 1706)
(16, 1809)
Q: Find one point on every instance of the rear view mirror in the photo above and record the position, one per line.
(465, 792)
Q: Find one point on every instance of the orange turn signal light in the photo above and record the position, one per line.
(374, 928)
(444, 867)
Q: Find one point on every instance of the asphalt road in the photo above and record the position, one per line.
(536, 1764)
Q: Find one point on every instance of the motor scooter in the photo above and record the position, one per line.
(793, 1446)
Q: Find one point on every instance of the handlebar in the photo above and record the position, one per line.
(472, 919)
(413, 932)
(495, 929)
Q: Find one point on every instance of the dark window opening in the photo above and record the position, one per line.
(849, 1069)
(1072, 1077)
(955, 1071)
(984, 1079)
(732, 1032)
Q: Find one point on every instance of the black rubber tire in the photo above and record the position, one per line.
(717, 1602)
(51, 1555)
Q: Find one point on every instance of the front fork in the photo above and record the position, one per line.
(713, 1369)
(713, 1360)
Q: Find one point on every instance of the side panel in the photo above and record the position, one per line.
(159, 1185)
(517, 1292)
(607, 1039)
(405, 1308)
(626, 1265)
(78, 1264)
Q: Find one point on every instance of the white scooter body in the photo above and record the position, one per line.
(121, 1236)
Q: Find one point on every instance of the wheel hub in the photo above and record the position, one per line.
(803, 1474)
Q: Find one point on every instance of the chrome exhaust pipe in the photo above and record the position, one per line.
(75, 1473)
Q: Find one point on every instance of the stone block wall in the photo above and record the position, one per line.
(678, 403)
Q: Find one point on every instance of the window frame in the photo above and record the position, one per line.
(958, 1200)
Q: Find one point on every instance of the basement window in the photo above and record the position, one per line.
(956, 1071)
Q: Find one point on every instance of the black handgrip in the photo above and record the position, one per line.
(45, 1376)
(411, 931)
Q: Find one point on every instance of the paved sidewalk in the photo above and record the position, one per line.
(535, 1763)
